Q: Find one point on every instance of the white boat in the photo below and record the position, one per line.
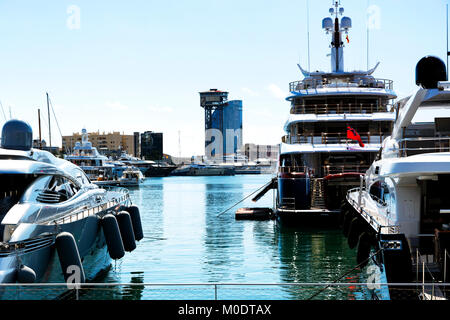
(90, 160)
(402, 208)
(204, 169)
(131, 177)
(334, 131)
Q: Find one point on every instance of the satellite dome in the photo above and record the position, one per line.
(346, 23)
(327, 24)
(429, 71)
(17, 135)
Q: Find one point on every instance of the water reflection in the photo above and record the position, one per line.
(187, 241)
(221, 234)
(134, 292)
(316, 255)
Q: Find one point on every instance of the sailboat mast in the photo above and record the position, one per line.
(49, 126)
(39, 122)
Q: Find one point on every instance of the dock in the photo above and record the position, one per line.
(254, 214)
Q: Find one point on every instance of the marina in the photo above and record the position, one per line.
(196, 177)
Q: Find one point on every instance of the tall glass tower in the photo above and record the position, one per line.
(223, 123)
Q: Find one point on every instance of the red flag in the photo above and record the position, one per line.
(353, 135)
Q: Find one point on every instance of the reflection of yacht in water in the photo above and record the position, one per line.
(89, 159)
(48, 205)
(402, 208)
(335, 128)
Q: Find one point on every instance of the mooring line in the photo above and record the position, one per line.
(245, 198)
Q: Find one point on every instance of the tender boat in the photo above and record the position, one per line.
(131, 177)
(402, 209)
(56, 225)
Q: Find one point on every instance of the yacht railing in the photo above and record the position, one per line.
(85, 211)
(346, 168)
(296, 86)
(411, 146)
(379, 227)
(333, 138)
(337, 108)
(293, 169)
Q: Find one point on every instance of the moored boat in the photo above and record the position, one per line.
(334, 131)
(401, 211)
(56, 225)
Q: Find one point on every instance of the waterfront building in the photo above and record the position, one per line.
(151, 145)
(107, 143)
(223, 123)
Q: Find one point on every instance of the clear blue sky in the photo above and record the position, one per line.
(138, 65)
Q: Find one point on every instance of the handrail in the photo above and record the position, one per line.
(336, 169)
(86, 212)
(292, 169)
(373, 83)
(368, 217)
(337, 108)
(332, 138)
(441, 144)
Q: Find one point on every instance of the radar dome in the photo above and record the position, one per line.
(327, 23)
(346, 23)
(429, 71)
(17, 135)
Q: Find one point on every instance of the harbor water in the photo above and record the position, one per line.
(189, 244)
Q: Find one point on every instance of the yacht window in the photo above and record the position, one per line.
(81, 177)
(50, 189)
(376, 190)
(12, 187)
(380, 191)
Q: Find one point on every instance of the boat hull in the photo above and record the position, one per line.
(44, 261)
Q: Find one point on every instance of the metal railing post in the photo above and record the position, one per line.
(423, 278)
(445, 265)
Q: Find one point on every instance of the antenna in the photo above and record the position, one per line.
(179, 145)
(367, 48)
(448, 53)
(307, 30)
(3, 111)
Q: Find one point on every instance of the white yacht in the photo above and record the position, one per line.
(131, 177)
(335, 128)
(90, 160)
(402, 209)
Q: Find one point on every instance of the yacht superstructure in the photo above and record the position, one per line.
(335, 128)
(89, 159)
(402, 209)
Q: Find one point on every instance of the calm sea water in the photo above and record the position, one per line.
(188, 242)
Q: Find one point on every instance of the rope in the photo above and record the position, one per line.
(56, 119)
(260, 188)
(343, 275)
